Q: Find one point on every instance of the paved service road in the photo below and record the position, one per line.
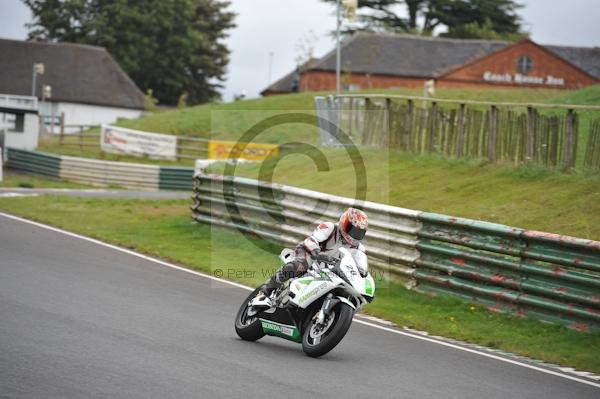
(96, 193)
(80, 320)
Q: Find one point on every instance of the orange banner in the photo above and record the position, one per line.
(232, 149)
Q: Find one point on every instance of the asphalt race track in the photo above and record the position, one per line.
(81, 320)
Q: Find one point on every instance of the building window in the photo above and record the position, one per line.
(524, 64)
(352, 87)
(13, 123)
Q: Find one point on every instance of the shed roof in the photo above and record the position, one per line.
(77, 73)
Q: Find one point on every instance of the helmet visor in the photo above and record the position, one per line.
(356, 232)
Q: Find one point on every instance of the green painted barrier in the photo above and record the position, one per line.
(33, 162)
(174, 178)
(527, 273)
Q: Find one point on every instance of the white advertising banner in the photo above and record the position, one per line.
(119, 140)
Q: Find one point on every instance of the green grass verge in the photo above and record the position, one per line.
(528, 197)
(28, 181)
(164, 229)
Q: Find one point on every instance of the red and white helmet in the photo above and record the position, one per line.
(353, 226)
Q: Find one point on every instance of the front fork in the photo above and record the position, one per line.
(326, 308)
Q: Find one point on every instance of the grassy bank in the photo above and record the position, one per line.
(229, 121)
(528, 197)
(226, 120)
(201, 120)
(169, 233)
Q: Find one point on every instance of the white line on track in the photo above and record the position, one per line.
(366, 323)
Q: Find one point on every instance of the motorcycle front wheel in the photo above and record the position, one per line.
(248, 328)
(317, 340)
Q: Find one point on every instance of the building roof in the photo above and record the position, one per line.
(77, 73)
(285, 84)
(586, 58)
(289, 82)
(406, 55)
(427, 57)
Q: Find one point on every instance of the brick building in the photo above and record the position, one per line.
(386, 61)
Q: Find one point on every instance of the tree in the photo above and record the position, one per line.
(478, 18)
(168, 46)
(461, 18)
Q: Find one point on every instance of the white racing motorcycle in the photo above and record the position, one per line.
(315, 309)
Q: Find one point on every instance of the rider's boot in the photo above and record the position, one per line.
(275, 282)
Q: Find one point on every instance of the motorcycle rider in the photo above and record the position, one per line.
(326, 239)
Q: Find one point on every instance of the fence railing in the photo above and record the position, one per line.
(28, 103)
(78, 136)
(504, 132)
(527, 273)
(101, 173)
(187, 147)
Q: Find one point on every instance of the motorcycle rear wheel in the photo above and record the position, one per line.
(328, 339)
(248, 328)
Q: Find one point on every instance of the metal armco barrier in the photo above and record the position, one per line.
(33, 162)
(288, 214)
(527, 273)
(175, 178)
(123, 174)
(103, 173)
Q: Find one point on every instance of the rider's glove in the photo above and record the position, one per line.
(327, 259)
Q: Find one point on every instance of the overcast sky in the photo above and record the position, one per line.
(278, 26)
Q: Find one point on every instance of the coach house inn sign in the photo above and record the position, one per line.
(523, 79)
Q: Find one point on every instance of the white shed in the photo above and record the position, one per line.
(19, 122)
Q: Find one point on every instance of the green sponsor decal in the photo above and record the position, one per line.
(312, 292)
(368, 287)
(282, 330)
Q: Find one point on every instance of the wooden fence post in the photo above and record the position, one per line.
(369, 122)
(80, 138)
(408, 126)
(432, 125)
(62, 127)
(350, 117)
(461, 130)
(492, 137)
(530, 127)
(569, 151)
(387, 122)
